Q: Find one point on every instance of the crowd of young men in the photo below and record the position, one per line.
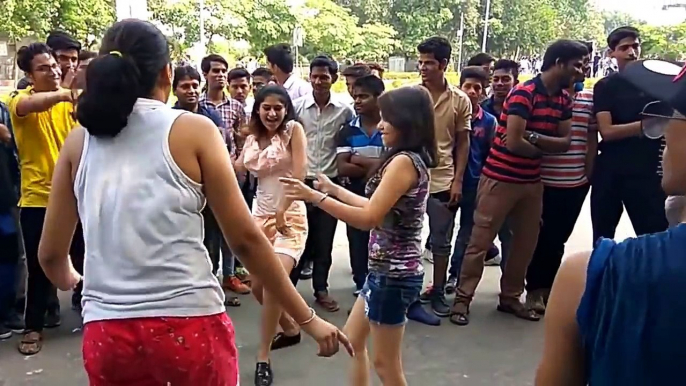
(517, 160)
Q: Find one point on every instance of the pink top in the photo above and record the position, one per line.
(269, 164)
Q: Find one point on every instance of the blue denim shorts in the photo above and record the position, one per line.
(387, 298)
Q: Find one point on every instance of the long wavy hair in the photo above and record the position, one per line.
(257, 128)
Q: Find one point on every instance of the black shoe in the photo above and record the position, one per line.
(282, 340)
(440, 306)
(425, 297)
(15, 322)
(451, 285)
(52, 319)
(5, 332)
(76, 303)
(263, 374)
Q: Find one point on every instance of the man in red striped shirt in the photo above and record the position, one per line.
(536, 119)
(565, 179)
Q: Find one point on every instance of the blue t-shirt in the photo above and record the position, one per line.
(632, 316)
(483, 130)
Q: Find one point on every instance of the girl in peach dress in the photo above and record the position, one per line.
(276, 148)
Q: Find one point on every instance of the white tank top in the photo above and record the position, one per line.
(142, 225)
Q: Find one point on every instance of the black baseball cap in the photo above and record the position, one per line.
(662, 80)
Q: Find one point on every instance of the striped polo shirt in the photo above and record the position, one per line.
(542, 113)
(568, 170)
(354, 139)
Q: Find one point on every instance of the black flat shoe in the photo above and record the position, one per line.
(52, 319)
(281, 340)
(263, 374)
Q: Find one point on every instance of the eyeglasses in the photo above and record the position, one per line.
(655, 117)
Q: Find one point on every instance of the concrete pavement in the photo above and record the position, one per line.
(494, 350)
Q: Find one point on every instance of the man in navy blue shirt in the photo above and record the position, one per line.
(473, 80)
(358, 149)
(186, 86)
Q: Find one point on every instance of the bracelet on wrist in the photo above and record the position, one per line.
(324, 197)
(313, 315)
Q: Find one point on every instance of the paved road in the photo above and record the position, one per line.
(494, 350)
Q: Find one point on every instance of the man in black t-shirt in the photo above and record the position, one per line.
(626, 169)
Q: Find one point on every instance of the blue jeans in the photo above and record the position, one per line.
(467, 208)
(228, 260)
(388, 298)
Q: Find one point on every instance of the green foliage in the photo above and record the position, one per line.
(614, 20)
(269, 22)
(664, 42)
(87, 20)
(368, 30)
(329, 28)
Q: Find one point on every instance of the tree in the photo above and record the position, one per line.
(522, 27)
(178, 21)
(665, 42)
(614, 20)
(375, 43)
(268, 22)
(221, 18)
(85, 19)
(329, 28)
(22, 18)
(577, 20)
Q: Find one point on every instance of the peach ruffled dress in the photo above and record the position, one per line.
(269, 164)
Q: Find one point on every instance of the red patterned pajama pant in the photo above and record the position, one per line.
(190, 351)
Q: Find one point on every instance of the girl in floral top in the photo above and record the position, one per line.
(394, 212)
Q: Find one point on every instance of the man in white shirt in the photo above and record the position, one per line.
(280, 62)
(322, 117)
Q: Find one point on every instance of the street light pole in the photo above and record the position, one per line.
(460, 35)
(486, 17)
(202, 29)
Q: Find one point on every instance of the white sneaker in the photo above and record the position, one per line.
(428, 256)
(494, 261)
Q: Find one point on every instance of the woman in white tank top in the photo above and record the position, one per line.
(275, 149)
(138, 176)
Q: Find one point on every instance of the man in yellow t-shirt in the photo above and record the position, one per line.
(42, 117)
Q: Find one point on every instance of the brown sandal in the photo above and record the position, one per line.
(521, 312)
(327, 302)
(31, 343)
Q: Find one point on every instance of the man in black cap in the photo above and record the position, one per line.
(66, 50)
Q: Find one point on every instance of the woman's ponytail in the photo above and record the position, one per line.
(133, 54)
(112, 88)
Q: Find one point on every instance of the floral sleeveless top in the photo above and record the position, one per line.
(395, 247)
